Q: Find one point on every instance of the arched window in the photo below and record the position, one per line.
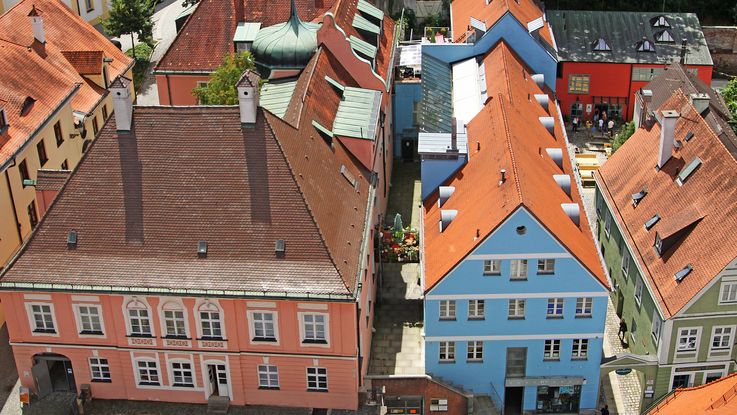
(659, 21)
(210, 322)
(174, 321)
(139, 318)
(645, 46)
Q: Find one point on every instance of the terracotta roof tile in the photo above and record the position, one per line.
(715, 398)
(51, 179)
(510, 137)
(524, 10)
(711, 188)
(86, 62)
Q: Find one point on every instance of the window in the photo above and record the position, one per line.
(580, 349)
(447, 309)
(447, 351)
(475, 309)
(201, 84)
(545, 266)
(657, 325)
(314, 328)
(181, 374)
(607, 224)
(89, 319)
(728, 292)
(317, 379)
(138, 318)
(552, 350)
(57, 133)
(578, 84)
(104, 109)
(693, 71)
(174, 322)
(32, 215)
(638, 291)
(645, 74)
(645, 46)
(90, 4)
(41, 149)
(555, 308)
(518, 269)
(268, 377)
(625, 260)
(688, 340)
(681, 381)
(148, 372)
(516, 362)
(95, 127)
(721, 338)
(436, 405)
(3, 121)
(65, 165)
(263, 328)
(583, 306)
(23, 171)
(210, 321)
(475, 352)
(577, 110)
(600, 45)
(664, 36)
(492, 267)
(99, 370)
(516, 309)
(633, 328)
(43, 318)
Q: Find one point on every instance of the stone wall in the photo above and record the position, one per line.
(722, 42)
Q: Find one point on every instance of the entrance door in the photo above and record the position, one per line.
(218, 379)
(681, 381)
(408, 149)
(620, 302)
(53, 373)
(513, 398)
(40, 373)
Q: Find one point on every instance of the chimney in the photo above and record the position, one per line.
(684, 42)
(247, 88)
(122, 103)
(700, 102)
(667, 136)
(37, 23)
(453, 134)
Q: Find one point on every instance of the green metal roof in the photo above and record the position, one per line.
(335, 83)
(358, 113)
(362, 23)
(246, 32)
(322, 129)
(275, 97)
(186, 12)
(363, 47)
(370, 9)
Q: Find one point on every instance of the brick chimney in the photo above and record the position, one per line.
(122, 103)
(37, 22)
(667, 136)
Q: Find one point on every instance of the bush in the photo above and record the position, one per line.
(140, 69)
(626, 132)
(143, 51)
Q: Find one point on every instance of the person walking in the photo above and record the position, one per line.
(622, 329)
(610, 127)
(574, 123)
(601, 125)
(605, 410)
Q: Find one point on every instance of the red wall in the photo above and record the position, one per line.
(177, 89)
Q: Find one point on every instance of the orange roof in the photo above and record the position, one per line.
(706, 202)
(714, 398)
(507, 134)
(86, 62)
(524, 10)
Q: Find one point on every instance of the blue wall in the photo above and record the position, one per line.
(468, 282)
(406, 94)
(434, 172)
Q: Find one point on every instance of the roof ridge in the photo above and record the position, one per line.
(503, 111)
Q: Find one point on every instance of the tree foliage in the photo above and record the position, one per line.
(187, 3)
(220, 89)
(129, 17)
(729, 93)
(624, 133)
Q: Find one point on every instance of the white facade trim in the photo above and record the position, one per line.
(531, 255)
(261, 304)
(85, 298)
(512, 296)
(301, 318)
(252, 327)
(78, 320)
(42, 297)
(221, 316)
(549, 336)
(128, 302)
(32, 322)
(164, 301)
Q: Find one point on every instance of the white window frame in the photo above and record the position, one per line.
(302, 333)
(475, 351)
(727, 288)
(476, 309)
(80, 324)
(447, 351)
(657, 326)
(252, 326)
(514, 305)
(138, 304)
(317, 375)
(580, 349)
(638, 291)
(492, 267)
(447, 309)
(689, 334)
(137, 373)
(209, 306)
(548, 266)
(170, 368)
(97, 366)
(549, 349)
(270, 372)
(730, 338)
(32, 320)
(173, 306)
(558, 303)
(586, 305)
(579, 84)
(626, 260)
(518, 269)
(607, 224)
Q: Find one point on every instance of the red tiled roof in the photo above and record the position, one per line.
(710, 189)
(207, 36)
(86, 62)
(51, 179)
(524, 10)
(715, 398)
(510, 137)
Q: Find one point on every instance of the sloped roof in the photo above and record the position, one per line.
(86, 62)
(51, 179)
(714, 398)
(711, 188)
(577, 30)
(510, 137)
(525, 11)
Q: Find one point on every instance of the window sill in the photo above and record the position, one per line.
(212, 339)
(176, 337)
(580, 358)
(518, 279)
(264, 340)
(554, 317)
(476, 318)
(101, 380)
(149, 384)
(41, 331)
(515, 318)
(492, 274)
(91, 333)
(447, 319)
(317, 390)
(308, 341)
(182, 385)
(141, 336)
(551, 359)
(545, 272)
(475, 361)
(269, 388)
(445, 362)
(583, 315)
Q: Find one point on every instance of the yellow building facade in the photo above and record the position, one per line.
(92, 11)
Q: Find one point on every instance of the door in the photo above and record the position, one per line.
(218, 380)
(513, 398)
(681, 381)
(40, 373)
(408, 149)
(516, 362)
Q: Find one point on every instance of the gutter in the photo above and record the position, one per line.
(169, 72)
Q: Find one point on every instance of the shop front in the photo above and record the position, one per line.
(558, 399)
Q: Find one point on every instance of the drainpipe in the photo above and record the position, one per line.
(168, 89)
(12, 203)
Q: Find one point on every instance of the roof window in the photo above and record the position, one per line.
(349, 176)
(680, 275)
(659, 21)
(202, 249)
(444, 193)
(637, 197)
(645, 46)
(664, 36)
(446, 217)
(689, 136)
(3, 121)
(600, 45)
(652, 221)
(27, 105)
(72, 239)
(279, 248)
(335, 84)
(688, 171)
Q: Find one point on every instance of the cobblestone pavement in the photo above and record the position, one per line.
(627, 388)
(9, 404)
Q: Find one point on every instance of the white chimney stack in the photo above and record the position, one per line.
(122, 103)
(247, 88)
(700, 102)
(667, 136)
(37, 22)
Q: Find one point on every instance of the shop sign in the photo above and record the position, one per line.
(622, 372)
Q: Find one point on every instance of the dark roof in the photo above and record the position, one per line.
(51, 179)
(676, 77)
(249, 78)
(576, 31)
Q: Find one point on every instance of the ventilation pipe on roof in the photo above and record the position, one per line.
(684, 42)
(539, 80)
(667, 136)
(453, 134)
(700, 102)
(556, 154)
(444, 193)
(564, 181)
(122, 103)
(572, 211)
(446, 217)
(37, 22)
(549, 124)
(502, 176)
(543, 100)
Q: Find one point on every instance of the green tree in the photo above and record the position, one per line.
(131, 16)
(626, 132)
(220, 89)
(729, 93)
(187, 3)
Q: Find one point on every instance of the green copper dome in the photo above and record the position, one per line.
(288, 45)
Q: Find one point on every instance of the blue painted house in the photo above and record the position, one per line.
(515, 295)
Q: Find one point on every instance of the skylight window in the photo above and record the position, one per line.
(689, 136)
(600, 45)
(645, 46)
(664, 36)
(637, 197)
(652, 221)
(659, 21)
(688, 171)
(680, 275)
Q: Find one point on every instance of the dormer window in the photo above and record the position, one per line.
(3, 121)
(659, 21)
(637, 197)
(664, 36)
(600, 45)
(645, 46)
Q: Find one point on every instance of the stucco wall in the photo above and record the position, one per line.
(722, 42)
(427, 388)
